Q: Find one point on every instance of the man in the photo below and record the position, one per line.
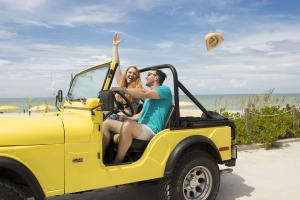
(148, 122)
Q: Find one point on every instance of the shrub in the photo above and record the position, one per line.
(268, 123)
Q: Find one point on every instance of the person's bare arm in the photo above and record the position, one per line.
(135, 117)
(116, 58)
(138, 93)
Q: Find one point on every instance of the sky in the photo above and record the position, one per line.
(42, 42)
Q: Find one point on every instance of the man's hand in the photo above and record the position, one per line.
(116, 89)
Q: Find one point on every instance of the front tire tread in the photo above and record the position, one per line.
(10, 191)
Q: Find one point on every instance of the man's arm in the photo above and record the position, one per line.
(135, 117)
(116, 58)
(138, 93)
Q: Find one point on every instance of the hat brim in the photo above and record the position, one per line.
(213, 40)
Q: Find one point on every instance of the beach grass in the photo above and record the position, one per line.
(270, 118)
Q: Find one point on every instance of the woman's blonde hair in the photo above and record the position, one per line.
(135, 84)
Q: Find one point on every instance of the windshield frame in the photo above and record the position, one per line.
(82, 77)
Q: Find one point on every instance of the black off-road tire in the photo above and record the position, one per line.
(10, 191)
(196, 176)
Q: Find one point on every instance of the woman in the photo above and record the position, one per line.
(131, 78)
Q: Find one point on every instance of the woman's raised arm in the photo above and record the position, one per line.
(116, 42)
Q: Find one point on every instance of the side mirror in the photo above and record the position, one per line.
(213, 40)
(59, 96)
(71, 79)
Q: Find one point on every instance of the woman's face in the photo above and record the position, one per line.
(131, 75)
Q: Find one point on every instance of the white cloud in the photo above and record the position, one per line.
(166, 44)
(260, 3)
(48, 14)
(279, 53)
(201, 84)
(30, 13)
(148, 5)
(238, 84)
(4, 62)
(219, 31)
(101, 58)
(263, 37)
(23, 6)
(192, 13)
(6, 34)
(29, 22)
(215, 18)
(172, 11)
(92, 15)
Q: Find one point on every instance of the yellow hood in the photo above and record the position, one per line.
(37, 129)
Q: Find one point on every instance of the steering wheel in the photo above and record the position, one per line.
(121, 106)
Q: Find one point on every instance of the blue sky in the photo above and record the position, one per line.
(40, 39)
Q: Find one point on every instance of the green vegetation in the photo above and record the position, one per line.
(268, 121)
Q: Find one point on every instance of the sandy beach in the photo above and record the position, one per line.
(190, 112)
(264, 174)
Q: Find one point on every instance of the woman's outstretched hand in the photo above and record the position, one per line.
(116, 40)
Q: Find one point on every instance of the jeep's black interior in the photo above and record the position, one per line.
(138, 146)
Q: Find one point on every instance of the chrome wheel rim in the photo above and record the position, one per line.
(197, 183)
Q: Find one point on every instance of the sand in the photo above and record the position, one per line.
(264, 174)
(188, 112)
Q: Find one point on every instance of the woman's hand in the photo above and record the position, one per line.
(122, 118)
(116, 40)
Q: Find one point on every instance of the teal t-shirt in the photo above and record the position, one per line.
(155, 111)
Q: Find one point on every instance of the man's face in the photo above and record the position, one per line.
(151, 78)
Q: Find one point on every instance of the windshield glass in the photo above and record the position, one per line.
(88, 84)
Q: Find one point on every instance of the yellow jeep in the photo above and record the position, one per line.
(48, 154)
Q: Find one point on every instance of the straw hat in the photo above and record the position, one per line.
(213, 40)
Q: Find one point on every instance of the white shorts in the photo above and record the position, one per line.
(147, 133)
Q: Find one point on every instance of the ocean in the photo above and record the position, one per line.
(232, 102)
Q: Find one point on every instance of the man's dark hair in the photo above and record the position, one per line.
(161, 75)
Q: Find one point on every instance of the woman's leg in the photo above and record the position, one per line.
(109, 126)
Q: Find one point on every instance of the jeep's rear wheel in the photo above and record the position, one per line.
(196, 177)
(10, 191)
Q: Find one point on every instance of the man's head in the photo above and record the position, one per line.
(155, 77)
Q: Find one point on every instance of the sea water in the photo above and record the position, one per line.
(232, 102)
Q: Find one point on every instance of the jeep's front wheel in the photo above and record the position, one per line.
(196, 177)
(10, 191)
